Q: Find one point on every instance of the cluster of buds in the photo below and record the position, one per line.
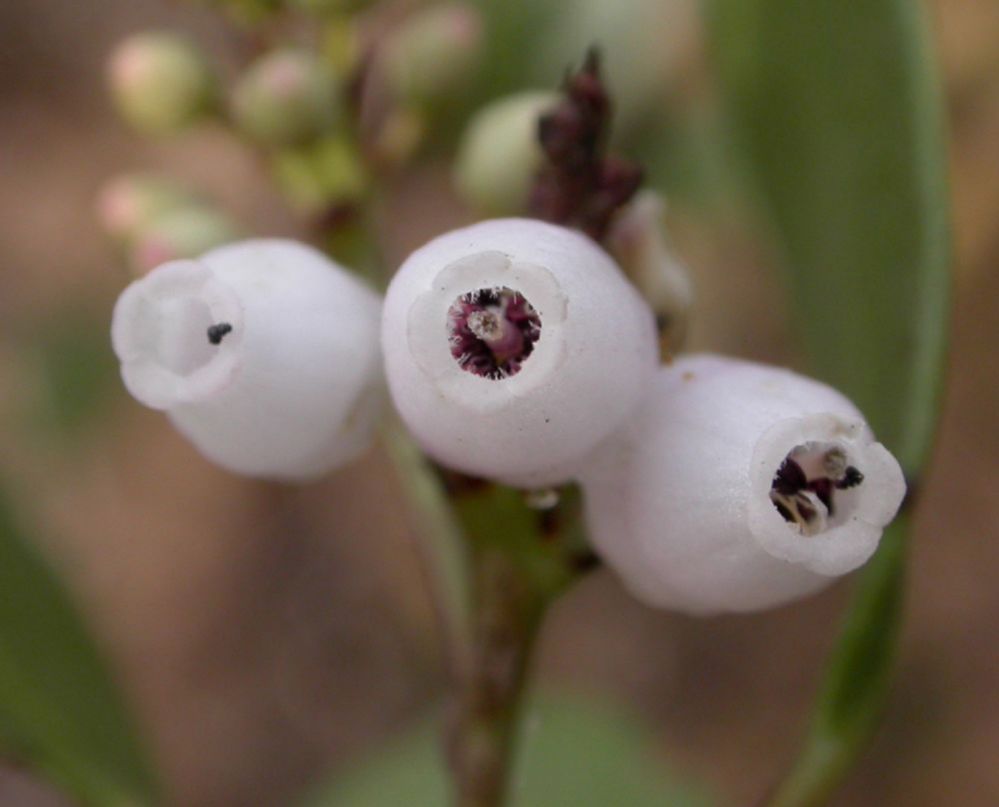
(323, 114)
(155, 219)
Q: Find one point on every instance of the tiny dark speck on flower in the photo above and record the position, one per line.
(216, 332)
(851, 478)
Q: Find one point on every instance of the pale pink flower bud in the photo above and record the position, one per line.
(513, 348)
(739, 487)
(263, 353)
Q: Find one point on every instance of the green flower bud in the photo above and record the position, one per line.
(402, 132)
(129, 203)
(319, 176)
(160, 82)
(500, 153)
(434, 54)
(286, 97)
(186, 232)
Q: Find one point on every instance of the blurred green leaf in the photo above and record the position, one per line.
(574, 754)
(514, 31)
(686, 154)
(407, 771)
(578, 754)
(839, 112)
(59, 710)
(857, 679)
(444, 554)
(838, 109)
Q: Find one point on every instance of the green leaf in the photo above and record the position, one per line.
(59, 710)
(577, 753)
(573, 753)
(407, 771)
(514, 31)
(857, 680)
(839, 112)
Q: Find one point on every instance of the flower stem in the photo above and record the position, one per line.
(507, 615)
(520, 560)
(440, 548)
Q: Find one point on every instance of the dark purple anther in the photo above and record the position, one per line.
(789, 479)
(794, 493)
(851, 478)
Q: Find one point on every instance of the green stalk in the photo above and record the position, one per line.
(482, 741)
(520, 560)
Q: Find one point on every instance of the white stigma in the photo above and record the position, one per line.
(487, 325)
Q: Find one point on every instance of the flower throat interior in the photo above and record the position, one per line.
(492, 331)
(808, 488)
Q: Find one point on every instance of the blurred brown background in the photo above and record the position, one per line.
(268, 635)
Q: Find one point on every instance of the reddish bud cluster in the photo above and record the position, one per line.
(580, 186)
